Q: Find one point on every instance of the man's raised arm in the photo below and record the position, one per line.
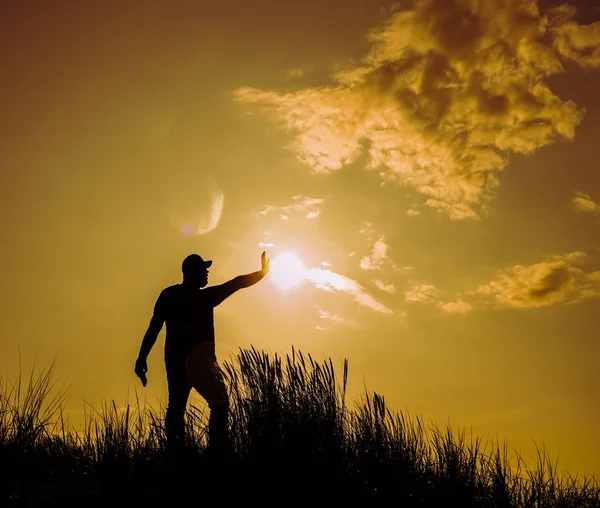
(223, 291)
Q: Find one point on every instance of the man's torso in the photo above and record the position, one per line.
(189, 317)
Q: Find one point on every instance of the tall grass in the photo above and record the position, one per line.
(294, 438)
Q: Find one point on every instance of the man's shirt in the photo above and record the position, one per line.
(188, 314)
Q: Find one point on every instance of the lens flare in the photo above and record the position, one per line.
(195, 207)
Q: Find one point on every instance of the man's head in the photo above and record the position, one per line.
(195, 270)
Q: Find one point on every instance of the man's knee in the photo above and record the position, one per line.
(174, 420)
(218, 425)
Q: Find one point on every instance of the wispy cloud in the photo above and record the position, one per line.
(559, 280)
(584, 203)
(267, 240)
(457, 307)
(378, 255)
(422, 293)
(336, 318)
(431, 295)
(327, 318)
(442, 102)
(328, 280)
(388, 288)
(304, 206)
(298, 72)
(378, 258)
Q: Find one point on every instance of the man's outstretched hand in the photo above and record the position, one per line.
(264, 263)
(141, 367)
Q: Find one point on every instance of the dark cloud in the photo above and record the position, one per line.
(559, 280)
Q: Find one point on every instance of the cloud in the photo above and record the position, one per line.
(445, 93)
(378, 255)
(298, 72)
(559, 280)
(336, 318)
(378, 258)
(309, 208)
(267, 240)
(330, 281)
(458, 307)
(327, 316)
(584, 203)
(379, 251)
(423, 293)
(388, 288)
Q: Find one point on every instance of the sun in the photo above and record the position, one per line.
(287, 271)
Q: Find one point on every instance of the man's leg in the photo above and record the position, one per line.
(218, 432)
(205, 375)
(179, 391)
(218, 402)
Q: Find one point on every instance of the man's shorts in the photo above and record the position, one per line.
(204, 374)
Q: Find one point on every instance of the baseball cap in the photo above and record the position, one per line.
(194, 261)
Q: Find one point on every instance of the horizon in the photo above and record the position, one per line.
(428, 194)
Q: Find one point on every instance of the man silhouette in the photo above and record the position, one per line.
(190, 358)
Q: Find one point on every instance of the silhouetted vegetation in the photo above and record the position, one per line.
(294, 439)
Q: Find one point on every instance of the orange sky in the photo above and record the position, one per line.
(433, 166)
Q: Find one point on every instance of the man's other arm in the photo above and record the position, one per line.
(154, 328)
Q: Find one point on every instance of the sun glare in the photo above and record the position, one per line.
(287, 271)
